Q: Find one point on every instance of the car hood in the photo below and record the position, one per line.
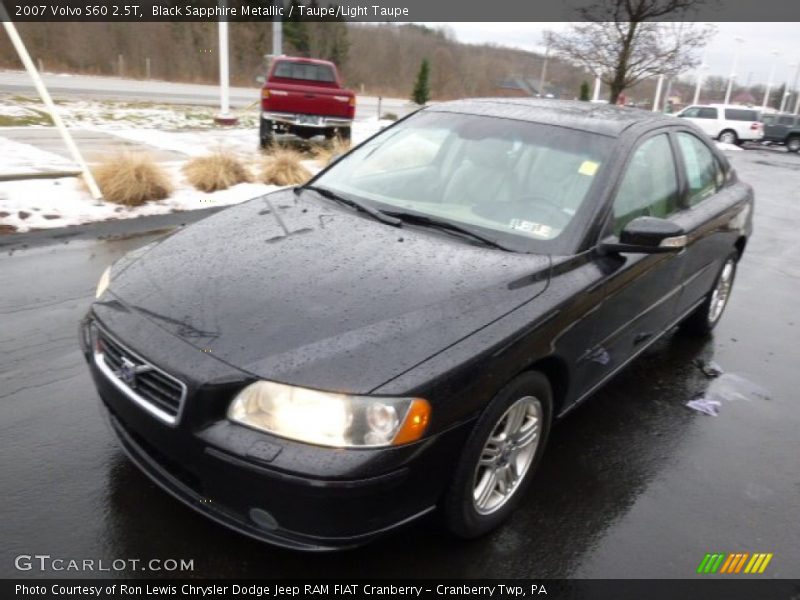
(303, 291)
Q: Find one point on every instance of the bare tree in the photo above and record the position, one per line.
(626, 41)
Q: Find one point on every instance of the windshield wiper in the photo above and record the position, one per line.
(370, 210)
(429, 221)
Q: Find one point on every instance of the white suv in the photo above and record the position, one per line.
(727, 123)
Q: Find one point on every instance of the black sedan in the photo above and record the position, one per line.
(323, 364)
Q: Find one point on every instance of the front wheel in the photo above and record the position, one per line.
(708, 314)
(793, 143)
(500, 457)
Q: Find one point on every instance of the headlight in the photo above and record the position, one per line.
(102, 285)
(329, 419)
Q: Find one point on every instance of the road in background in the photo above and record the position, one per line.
(633, 484)
(67, 86)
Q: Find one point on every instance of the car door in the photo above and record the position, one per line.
(640, 290)
(784, 125)
(708, 202)
(771, 128)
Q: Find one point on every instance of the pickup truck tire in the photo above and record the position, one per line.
(342, 133)
(266, 135)
(793, 143)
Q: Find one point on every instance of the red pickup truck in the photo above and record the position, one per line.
(305, 97)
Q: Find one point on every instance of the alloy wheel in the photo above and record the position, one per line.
(507, 455)
(722, 291)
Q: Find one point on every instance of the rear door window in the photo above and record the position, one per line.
(786, 121)
(740, 114)
(704, 175)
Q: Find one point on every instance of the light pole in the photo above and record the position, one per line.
(786, 92)
(657, 99)
(794, 88)
(596, 94)
(277, 30)
(700, 76)
(739, 42)
(224, 117)
(544, 71)
(776, 54)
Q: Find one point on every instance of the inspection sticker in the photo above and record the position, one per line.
(588, 168)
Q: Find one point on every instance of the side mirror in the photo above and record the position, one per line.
(648, 235)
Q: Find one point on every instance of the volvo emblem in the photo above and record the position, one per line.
(128, 371)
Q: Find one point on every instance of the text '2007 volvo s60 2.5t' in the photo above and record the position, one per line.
(323, 364)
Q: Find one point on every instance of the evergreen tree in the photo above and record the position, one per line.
(584, 95)
(422, 88)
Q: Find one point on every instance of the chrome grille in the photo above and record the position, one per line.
(151, 388)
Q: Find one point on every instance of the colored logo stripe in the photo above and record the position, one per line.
(734, 562)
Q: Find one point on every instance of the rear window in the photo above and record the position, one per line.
(304, 71)
(739, 114)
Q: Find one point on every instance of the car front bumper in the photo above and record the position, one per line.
(282, 492)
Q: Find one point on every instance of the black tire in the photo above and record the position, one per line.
(266, 134)
(702, 321)
(345, 133)
(459, 510)
(793, 143)
(725, 137)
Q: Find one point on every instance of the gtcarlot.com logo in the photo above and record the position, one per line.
(734, 563)
(46, 562)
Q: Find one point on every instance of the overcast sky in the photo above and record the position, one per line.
(756, 58)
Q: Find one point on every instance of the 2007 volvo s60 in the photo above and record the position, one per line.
(323, 364)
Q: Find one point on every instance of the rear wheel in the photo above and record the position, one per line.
(793, 143)
(708, 314)
(500, 457)
(728, 137)
(266, 133)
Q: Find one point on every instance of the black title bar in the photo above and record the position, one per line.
(371, 10)
(709, 588)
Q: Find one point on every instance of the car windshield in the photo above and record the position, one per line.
(515, 182)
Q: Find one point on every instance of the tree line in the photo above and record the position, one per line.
(381, 59)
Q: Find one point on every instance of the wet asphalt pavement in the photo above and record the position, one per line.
(634, 483)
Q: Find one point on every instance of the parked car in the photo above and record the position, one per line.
(783, 128)
(305, 97)
(323, 364)
(730, 124)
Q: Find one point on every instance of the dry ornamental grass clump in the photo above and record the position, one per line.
(132, 179)
(217, 171)
(324, 153)
(283, 166)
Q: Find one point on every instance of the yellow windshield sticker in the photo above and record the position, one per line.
(589, 168)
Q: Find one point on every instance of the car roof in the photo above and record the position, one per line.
(604, 119)
(302, 59)
(741, 106)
